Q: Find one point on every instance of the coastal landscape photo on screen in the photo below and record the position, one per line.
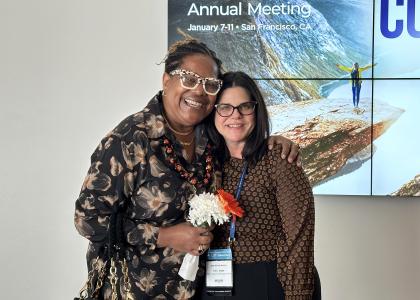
(340, 77)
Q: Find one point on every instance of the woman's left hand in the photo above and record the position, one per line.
(289, 149)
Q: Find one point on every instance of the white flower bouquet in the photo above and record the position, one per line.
(207, 209)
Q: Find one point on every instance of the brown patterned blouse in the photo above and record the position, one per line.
(131, 163)
(278, 223)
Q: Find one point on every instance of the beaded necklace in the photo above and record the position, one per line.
(193, 177)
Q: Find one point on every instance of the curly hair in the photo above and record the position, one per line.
(185, 47)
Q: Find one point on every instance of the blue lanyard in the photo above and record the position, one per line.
(237, 194)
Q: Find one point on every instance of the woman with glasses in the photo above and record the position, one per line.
(149, 166)
(273, 243)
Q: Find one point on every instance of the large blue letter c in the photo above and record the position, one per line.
(399, 24)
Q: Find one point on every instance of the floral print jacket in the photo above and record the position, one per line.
(130, 164)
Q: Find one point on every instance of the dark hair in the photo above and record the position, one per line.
(256, 143)
(180, 49)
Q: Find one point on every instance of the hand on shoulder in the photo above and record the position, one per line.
(287, 148)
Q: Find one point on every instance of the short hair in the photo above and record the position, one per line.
(256, 143)
(189, 46)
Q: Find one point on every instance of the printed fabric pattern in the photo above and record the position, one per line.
(129, 165)
(278, 222)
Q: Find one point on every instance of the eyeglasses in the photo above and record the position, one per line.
(226, 110)
(190, 80)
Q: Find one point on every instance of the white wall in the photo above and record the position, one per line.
(69, 72)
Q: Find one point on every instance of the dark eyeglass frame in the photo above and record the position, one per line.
(202, 80)
(238, 107)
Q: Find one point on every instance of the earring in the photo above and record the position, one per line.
(163, 93)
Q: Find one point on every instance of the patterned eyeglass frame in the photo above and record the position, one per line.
(200, 79)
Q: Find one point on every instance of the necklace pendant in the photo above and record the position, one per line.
(193, 181)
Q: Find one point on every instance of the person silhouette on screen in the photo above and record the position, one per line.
(356, 80)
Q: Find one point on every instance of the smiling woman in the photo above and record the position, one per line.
(187, 104)
(235, 123)
(275, 238)
(149, 166)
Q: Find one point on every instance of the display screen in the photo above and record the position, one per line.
(340, 77)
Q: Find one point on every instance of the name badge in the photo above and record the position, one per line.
(219, 272)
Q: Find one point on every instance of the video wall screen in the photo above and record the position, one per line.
(358, 129)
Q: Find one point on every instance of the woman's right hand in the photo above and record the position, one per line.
(185, 238)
